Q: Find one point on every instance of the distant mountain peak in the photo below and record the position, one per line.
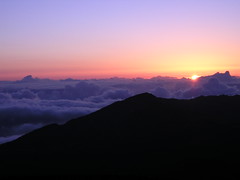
(29, 78)
(143, 97)
(222, 76)
(227, 73)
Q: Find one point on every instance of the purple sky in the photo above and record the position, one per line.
(104, 38)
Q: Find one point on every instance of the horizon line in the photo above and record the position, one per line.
(109, 77)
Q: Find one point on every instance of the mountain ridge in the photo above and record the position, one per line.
(141, 136)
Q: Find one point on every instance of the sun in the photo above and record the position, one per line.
(195, 77)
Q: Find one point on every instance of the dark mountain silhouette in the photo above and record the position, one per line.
(141, 137)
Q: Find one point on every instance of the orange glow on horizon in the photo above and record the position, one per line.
(110, 74)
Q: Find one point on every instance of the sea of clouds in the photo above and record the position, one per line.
(31, 103)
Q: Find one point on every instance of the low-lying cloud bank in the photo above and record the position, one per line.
(32, 103)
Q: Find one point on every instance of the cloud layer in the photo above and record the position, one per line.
(31, 102)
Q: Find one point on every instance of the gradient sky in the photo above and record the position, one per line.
(125, 38)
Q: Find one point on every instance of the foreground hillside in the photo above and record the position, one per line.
(141, 137)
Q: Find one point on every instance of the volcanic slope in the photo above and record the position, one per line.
(142, 136)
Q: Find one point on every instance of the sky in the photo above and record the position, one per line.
(124, 38)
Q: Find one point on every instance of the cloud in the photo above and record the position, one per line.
(20, 116)
(24, 94)
(31, 102)
(81, 90)
(4, 98)
(161, 92)
(116, 94)
(213, 87)
(193, 92)
(8, 138)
